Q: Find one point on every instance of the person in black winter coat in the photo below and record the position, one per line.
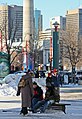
(38, 94)
(49, 79)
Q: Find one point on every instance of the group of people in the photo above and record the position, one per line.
(32, 94)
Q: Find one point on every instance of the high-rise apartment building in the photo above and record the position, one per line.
(11, 21)
(38, 22)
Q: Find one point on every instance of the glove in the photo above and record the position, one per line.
(18, 93)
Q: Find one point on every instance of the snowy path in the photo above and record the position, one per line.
(10, 115)
(72, 94)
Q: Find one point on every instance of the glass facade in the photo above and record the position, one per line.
(38, 22)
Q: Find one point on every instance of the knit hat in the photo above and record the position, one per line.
(34, 83)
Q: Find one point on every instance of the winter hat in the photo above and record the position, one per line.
(49, 74)
(34, 83)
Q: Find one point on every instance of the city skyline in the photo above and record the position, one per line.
(49, 8)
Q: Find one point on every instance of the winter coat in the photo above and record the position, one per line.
(38, 93)
(55, 81)
(49, 95)
(53, 89)
(49, 81)
(52, 93)
(27, 91)
(37, 74)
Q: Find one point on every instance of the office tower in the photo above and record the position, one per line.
(11, 22)
(16, 15)
(74, 20)
(38, 23)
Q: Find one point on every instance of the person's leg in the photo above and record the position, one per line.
(34, 101)
(43, 108)
(24, 110)
(46, 105)
(38, 105)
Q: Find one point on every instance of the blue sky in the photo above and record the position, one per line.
(50, 8)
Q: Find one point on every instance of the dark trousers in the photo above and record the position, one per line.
(24, 110)
(42, 105)
(34, 102)
(39, 105)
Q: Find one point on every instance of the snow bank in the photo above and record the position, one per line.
(10, 83)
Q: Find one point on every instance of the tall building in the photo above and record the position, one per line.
(11, 21)
(38, 22)
(16, 15)
(74, 20)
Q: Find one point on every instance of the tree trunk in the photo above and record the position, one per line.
(73, 75)
(9, 59)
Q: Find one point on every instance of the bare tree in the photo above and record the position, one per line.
(71, 48)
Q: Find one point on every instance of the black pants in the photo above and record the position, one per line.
(24, 110)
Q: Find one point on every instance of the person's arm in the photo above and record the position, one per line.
(18, 91)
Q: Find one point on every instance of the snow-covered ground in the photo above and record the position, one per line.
(10, 104)
(72, 94)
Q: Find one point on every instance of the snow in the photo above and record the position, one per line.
(10, 83)
(10, 104)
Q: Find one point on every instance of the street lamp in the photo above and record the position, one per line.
(56, 24)
(56, 46)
